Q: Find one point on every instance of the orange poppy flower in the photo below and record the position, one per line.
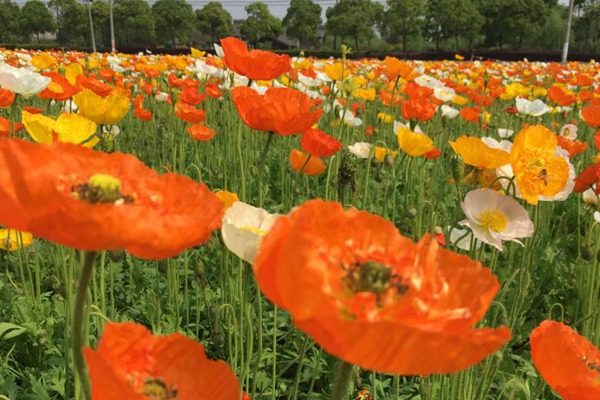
(319, 144)
(255, 64)
(190, 95)
(33, 110)
(283, 111)
(132, 364)
(538, 172)
(478, 154)
(138, 109)
(95, 201)
(470, 114)
(420, 109)
(568, 362)
(6, 97)
(5, 129)
(574, 147)
(396, 68)
(591, 115)
(306, 165)
(372, 297)
(200, 132)
(94, 84)
(174, 81)
(415, 91)
(587, 178)
(188, 113)
(213, 91)
(560, 97)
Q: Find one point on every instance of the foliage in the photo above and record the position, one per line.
(260, 23)
(402, 19)
(36, 18)
(514, 22)
(454, 19)
(71, 20)
(353, 18)
(9, 20)
(174, 20)
(134, 23)
(213, 20)
(302, 21)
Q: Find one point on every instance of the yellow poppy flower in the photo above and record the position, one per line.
(197, 53)
(513, 90)
(381, 152)
(367, 94)
(385, 118)
(460, 100)
(414, 144)
(69, 128)
(72, 72)
(43, 61)
(538, 172)
(478, 154)
(12, 240)
(102, 110)
(336, 71)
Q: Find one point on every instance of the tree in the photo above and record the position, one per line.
(454, 19)
(71, 20)
(586, 28)
(213, 20)
(134, 23)
(353, 18)
(402, 19)
(302, 21)
(260, 23)
(514, 21)
(100, 18)
(173, 19)
(9, 20)
(35, 18)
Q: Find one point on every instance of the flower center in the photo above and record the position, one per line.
(155, 389)
(55, 87)
(372, 277)
(493, 220)
(254, 229)
(100, 189)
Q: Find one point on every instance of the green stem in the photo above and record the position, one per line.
(342, 381)
(262, 159)
(79, 323)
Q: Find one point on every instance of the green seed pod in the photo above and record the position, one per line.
(411, 213)
(218, 337)
(587, 253)
(199, 269)
(458, 168)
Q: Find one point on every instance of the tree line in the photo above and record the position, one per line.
(398, 25)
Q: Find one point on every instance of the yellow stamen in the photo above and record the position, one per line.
(493, 220)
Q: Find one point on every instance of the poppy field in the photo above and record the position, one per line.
(248, 225)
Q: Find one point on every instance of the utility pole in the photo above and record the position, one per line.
(91, 25)
(565, 50)
(113, 48)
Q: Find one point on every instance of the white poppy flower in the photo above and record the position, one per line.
(350, 119)
(495, 218)
(22, 81)
(243, 228)
(461, 238)
(162, 96)
(534, 108)
(505, 133)
(398, 125)
(597, 216)
(360, 149)
(569, 131)
(443, 93)
(590, 197)
(219, 51)
(449, 112)
(428, 81)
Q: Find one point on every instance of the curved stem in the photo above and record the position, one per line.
(342, 381)
(79, 323)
